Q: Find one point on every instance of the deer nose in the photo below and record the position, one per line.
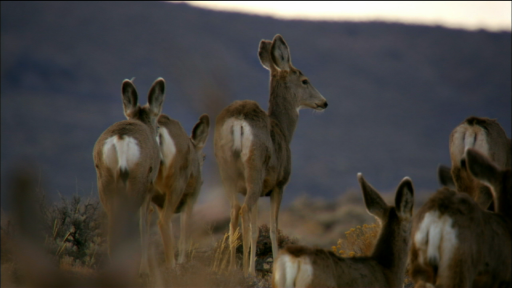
(325, 105)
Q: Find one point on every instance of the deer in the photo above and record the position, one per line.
(127, 159)
(458, 243)
(252, 147)
(301, 266)
(179, 179)
(487, 136)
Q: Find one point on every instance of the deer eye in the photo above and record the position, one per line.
(305, 82)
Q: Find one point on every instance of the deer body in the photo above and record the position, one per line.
(252, 146)
(456, 243)
(299, 266)
(179, 178)
(487, 136)
(126, 157)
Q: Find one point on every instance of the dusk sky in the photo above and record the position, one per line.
(472, 15)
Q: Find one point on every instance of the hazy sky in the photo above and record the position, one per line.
(489, 15)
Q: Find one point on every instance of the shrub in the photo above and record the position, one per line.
(359, 241)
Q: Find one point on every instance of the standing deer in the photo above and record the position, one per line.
(179, 178)
(127, 158)
(487, 136)
(252, 147)
(300, 266)
(456, 243)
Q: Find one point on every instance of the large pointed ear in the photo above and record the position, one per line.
(444, 175)
(374, 203)
(156, 96)
(280, 53)
(200, 131)
(264, 54)
(404, 198)
(481, 167)
(130, 98)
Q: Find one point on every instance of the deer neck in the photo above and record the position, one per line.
(282, 108)
(391, 250)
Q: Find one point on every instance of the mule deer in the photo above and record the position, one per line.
(456, 243)
(300, 266)
(179, 178)
(252, 147)
(487, 136)
(127, 158)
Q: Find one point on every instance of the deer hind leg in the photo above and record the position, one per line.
(249, 212)
(186, 216)
(144, 236)
(275, 203)
(172, 199)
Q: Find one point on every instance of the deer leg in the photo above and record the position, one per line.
(249, 225)
(185, 219)
(172, 200)
(254, 239)
(144, 236)
(233, 226)
(275, 203)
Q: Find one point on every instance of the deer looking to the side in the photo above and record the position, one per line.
(252, 147)
(179, 179)
(127, 159)
(457, 243)
(487, 136)
(300, 266)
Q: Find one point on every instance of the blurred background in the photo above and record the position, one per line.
(398, 78)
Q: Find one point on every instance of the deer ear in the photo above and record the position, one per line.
(264, 54)
(404, 198)
(374, 203)
(200, 131)
(444, 175)
(280, 53)
(481, 167)
(156, 96)
(130, 98)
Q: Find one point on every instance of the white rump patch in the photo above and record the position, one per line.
(437, 238)
(292, 272)
(242, 136)
(121, 152)
(167, 148)
(466, 136)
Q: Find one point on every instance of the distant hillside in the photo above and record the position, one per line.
(395, 91)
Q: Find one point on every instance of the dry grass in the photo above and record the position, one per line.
(68, 239)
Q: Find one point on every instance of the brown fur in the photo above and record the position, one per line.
(311, 267)
(179, 181)
(126, 193)
(499, 151)
(482, 257)
(267, 168)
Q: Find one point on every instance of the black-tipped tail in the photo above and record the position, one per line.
(124, 174)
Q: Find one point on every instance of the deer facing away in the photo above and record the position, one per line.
(487, 136)
(179, 178)
(300, 266)
(252, 147)
(456, 243)
(127, 159)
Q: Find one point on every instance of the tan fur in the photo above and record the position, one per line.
(263, 167)
(179, 180)
(482, 255)
(487, 136)
(384, 268)
(126, 193)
